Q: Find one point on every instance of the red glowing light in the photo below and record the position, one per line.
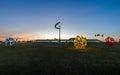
(110, 41)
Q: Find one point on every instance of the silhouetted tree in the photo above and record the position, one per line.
(95, 35)
(98, 34)
(102, 35)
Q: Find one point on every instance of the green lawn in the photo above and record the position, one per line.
(59, 59)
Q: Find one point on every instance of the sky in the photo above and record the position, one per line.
(35, 19)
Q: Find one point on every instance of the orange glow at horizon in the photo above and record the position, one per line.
(51, 35)
(27, 38)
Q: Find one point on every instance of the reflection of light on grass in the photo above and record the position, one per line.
(81, 50)
(80, 42)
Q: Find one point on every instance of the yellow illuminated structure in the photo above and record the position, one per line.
(80, 42)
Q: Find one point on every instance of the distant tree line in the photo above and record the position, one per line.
(98, 35)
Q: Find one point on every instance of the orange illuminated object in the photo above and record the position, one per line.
(80, 42)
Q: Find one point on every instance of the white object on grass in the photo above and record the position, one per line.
(9, 41)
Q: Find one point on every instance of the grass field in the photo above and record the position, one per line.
(59, 59)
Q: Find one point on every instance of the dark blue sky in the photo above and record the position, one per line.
(36, 18)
